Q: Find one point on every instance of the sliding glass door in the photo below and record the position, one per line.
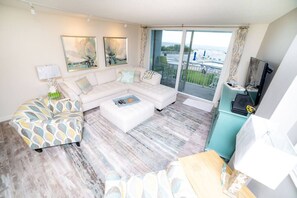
(202, 52)
(203, 59)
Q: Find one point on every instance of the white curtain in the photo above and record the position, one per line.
(143, 42)
(237, 53)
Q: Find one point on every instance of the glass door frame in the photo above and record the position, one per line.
(225, 69)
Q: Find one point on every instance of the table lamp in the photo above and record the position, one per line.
(262, 153)
(49, 73)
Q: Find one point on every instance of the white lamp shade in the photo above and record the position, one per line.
(48, 71)
(265, 157)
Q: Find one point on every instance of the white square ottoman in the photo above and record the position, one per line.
(127, 117)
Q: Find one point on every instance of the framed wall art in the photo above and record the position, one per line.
(80, 52)
(116, 50)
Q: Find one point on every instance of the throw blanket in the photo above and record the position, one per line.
(165, 183)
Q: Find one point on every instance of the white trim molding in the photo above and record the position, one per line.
(5, 118)
(293, 174)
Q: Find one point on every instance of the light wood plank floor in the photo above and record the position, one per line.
(71, 171)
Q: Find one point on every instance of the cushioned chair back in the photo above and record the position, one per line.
(31, 111)
(58, 106)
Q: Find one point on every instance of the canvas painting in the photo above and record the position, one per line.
(80, 52)
(116, 49)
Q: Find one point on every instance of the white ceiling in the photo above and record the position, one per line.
(171, 12)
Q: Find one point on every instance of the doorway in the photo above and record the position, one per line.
(202, 52)
(203, 59)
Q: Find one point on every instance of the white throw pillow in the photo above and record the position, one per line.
(148, 75)
(84, 85)
(70, 81)
(106, 76)
(151, 77)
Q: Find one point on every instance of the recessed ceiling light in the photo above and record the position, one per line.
(89, 18)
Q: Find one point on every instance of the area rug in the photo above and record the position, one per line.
(177, 131)
(198, 104)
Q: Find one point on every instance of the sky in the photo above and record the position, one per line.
(215, 39)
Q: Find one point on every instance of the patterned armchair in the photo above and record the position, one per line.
(44, 123)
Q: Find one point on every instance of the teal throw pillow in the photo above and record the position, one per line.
(127, 77)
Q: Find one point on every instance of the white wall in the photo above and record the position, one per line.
(276, 43)
(278, 39)
(29, 40)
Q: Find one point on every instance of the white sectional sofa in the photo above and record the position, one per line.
(106, 84)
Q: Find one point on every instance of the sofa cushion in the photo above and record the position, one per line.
(139, 69)
(73, 86)
(84, 85)
(101, 91)
(158, 92)
(106, 76)
(137, 76)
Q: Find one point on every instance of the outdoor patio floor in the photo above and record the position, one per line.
(206, 93)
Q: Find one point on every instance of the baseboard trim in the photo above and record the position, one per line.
(5, 118)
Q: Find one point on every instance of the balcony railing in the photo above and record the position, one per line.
(205, 74)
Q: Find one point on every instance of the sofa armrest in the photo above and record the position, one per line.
(67, 92)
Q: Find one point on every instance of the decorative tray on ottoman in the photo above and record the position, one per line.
(125, 101)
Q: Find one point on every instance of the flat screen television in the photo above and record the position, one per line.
(256, 76)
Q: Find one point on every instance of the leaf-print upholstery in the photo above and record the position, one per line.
(43, 123)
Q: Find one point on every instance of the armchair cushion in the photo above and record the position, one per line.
(33, 110)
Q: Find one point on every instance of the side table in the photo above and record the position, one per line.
(204, 173)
